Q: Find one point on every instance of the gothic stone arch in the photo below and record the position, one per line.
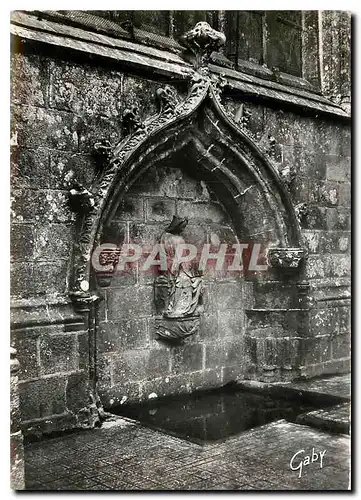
(200, 131)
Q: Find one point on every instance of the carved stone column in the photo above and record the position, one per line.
(17, 478)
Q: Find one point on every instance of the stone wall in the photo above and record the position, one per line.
(60, 108)
(314, 156)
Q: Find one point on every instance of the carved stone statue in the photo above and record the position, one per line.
(178, 290)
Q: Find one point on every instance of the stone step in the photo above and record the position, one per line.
(335, 419)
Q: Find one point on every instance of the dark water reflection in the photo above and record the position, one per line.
(213, 416)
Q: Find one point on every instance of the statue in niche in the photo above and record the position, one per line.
(178, 290)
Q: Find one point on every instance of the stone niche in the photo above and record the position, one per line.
(133, 359)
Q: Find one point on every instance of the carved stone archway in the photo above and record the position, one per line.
(198, 128)
(201, 127)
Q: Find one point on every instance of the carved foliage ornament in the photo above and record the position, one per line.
(202, 40)
(286, 257)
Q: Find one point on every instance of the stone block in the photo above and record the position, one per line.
(250, 349)
(300, 189)
(105, 371)
(58, 353)
(208, 327)
(21, 242)
(17, 479)
(228, 295)
(274, 295)
(77, 391)
(215, 355)
(209, 297)
(158, 363)
(130, 208)
(120, 335)
(325, 348)
(50, 278)
(118, 394)
(158, 181)
(30, 168)
(65, 167)
(323, 321)
(140, 364)
(280, 125)
(139, 92)
(136, 302)
(341, 346)
(205, 379)
(345, 194)
(49, 206)
(309, 351)
(21, 279)
(115, 233)
(338, 265)
(334, 242)
(259, 319)
(33, 127)
(315, 218)
(90, 129)
(53, 241)
(42, 398)
(344, 319)
(202, 212)
(230, 323)
(234, 349)
(85, 89)
(324, 193)
(329, 138)
(311, 240)
(29, 79)
(338, 168)
(232, 373)
(188, 187)
(166, 386)
(315, 266)
(338, 218)
(27, 354)
(145, 235)
(186, 358)
(83, 350)
(160, 210)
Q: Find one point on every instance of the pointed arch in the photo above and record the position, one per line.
(200, 131)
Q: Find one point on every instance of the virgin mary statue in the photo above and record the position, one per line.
(178, 290)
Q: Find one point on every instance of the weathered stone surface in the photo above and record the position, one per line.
(27, 346)
(22, 242)
(29, 80)
(42, 398)
(34, 127)
(61, 107)
(263, 454)
(77, 395)
(187, 358)
(58, 353)
(85, 90)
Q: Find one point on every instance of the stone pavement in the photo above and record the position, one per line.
(123, 455)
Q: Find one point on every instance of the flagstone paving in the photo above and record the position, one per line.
(123, 455)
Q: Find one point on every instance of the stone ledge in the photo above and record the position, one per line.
(164, 63)
(335, 419)
(37, 312)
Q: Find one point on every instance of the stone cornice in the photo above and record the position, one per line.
(153, 61)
